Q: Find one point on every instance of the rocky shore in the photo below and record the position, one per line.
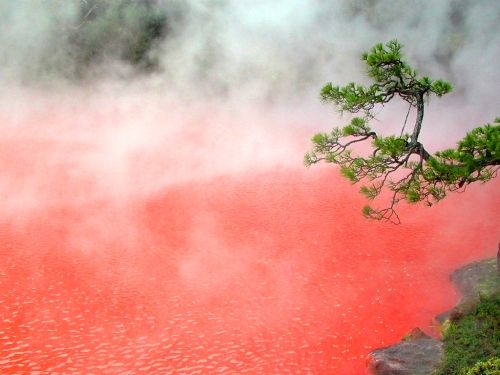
(419, 354)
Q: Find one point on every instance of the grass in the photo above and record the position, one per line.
(473, 338)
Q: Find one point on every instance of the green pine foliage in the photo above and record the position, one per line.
(391, 75)
(400, 164)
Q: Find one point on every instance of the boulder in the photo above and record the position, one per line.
(419, 354)
(472, 280)
(416, 354)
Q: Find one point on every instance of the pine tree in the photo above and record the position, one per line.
(400, 163)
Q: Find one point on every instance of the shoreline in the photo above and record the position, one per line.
(419, 354)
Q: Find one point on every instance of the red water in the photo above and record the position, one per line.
(260, 272)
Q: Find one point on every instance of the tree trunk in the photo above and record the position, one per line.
(420, 118)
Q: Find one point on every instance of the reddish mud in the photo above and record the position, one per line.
(255, 272)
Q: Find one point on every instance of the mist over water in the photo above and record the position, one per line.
(159, 219)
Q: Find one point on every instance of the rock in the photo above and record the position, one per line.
(416, 333)
(418, 354)
(498, 258)
(472, 280)
(475, 278)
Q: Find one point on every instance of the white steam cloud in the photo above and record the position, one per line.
(164, 171)
(235, 87)
(273, 51)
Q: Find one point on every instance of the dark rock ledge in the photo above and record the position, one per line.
(419, 354)
(472, 280)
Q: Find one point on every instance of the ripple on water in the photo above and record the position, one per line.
(290, 300)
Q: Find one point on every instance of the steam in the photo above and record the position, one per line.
(276, 53)
(232, 90)
(268, 48)
(206, 126)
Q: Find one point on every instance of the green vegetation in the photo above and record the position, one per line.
(400, 163)
(474, 340)
(488, 367)
(121, 30)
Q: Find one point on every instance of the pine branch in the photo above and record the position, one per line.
(401, 164)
